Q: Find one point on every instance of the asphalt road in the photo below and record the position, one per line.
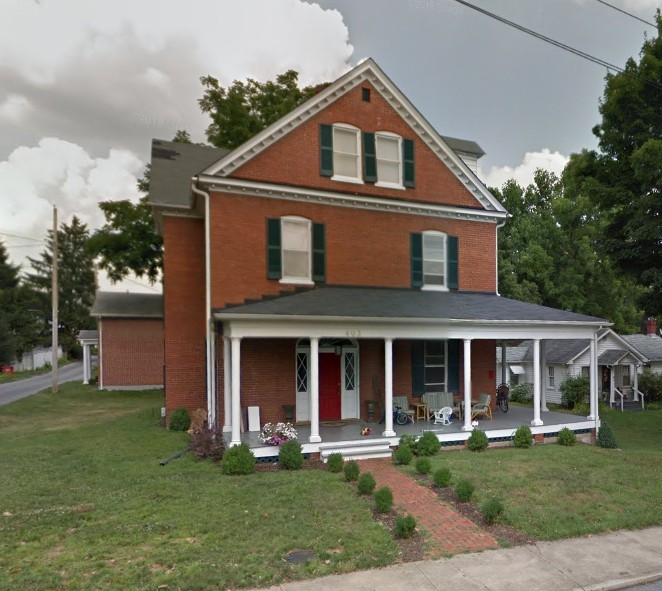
(657, 586)
(22, 388)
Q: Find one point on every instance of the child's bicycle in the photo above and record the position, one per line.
(399, 416)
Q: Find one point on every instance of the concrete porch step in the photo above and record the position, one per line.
(356, 450)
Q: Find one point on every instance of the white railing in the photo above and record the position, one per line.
(641, 396)
(621, 395)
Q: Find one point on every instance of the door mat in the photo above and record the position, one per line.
(333, 423)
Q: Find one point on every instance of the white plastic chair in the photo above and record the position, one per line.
(443, 415)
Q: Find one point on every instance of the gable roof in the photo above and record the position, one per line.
(111, 304)
(649, 346)
(367, 71)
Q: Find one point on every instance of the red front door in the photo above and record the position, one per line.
(329, 368)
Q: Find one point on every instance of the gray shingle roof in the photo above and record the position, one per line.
(611, 356)
(173, 165)
(514, 354)
(373, 302)
(460, 145)
(110, 304)
(88, 335)
(650, 347)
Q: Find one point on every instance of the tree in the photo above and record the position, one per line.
(623, 178)
(76, 281)
(246, 108)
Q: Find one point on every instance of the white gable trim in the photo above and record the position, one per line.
(620, 339)
(287, 193)
(368, 71)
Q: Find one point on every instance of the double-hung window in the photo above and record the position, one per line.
(346, 153)
(296, 250)
(434, 261)
(435, 366)
(388, 152)
(550, 376)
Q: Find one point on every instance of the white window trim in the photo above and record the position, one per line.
(297, 280)
(388, 184)
(428, 287)
(551, 377)
(359, 156)
(444, 344)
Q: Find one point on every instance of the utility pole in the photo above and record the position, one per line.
(54, 289)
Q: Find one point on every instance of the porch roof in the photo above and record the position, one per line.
(612, 356)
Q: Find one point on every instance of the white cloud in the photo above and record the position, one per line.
(523, 173)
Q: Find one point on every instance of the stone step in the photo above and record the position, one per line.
(356, 450)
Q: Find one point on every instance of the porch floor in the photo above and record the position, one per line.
(501, 425)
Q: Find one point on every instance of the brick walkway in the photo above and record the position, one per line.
(449, 532)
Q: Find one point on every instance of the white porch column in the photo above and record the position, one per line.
(86, 364)
(544, 374)
(236, 385)
(635, 380)
(388, 388)
(536, 422)
(504, 363)
(593, 380)
(227, 385)
(314, 391)
(467, 386)
(612, 385)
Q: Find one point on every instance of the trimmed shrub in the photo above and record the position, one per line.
(335, 462)
(290, 456)
(409, 441)
(651, 385)
(606, 437)
(566, 437)
(351, 470)
(477, 440)
(521, 393)
(403, 455)
(427, 444)
(442, 477)
(238, 460)
(405, 525)
(423, 465)
(208, 443)
(383, 499)
(366, 483)
(492, 510)
(523, 437)
(180, 420)
(464, 490)
(574, 390)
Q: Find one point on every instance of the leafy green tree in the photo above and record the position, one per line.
(76, 281)
(246, 108)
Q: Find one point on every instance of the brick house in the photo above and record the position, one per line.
(347, 252)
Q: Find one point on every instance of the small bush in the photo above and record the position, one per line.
(366, 483)
(651, 385)
(566, 437)
(606, 437)
(335, 462)
(523, 437)
(405, 525)
(238, 460)
(290, 456)
(492, 510)
(383, 499)
(403, 455)
(180, 420)
(442, 477)
(423, 465)
(208, 443)
(521, 393)
(464, 490)
(477, 441)
(409, 441)
(351, 470)
(574, 390)
(427, 444)
(583, 409)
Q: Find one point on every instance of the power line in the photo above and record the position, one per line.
(634, 16)
(558, 44)
(22, 237)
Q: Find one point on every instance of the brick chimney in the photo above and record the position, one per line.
(651, 325)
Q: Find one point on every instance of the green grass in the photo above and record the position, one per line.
(86, 505)
(551, 491)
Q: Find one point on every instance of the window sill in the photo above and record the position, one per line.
(434, 288)
(296, 281)
(347, 179)
(386, 185)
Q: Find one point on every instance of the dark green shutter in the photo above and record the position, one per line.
(369, 158)
(319, 252)
(452, 260)
(326, 150)
(273, 248)
(417, 368)
(408, 163)
(416, 241)
(454, 365)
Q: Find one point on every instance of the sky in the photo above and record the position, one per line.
(85, 85)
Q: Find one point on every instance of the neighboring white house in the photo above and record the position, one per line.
(649, 344)
(619, 363)
(36, 358)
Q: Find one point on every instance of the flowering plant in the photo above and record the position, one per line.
(275, 434)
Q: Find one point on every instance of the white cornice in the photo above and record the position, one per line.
(288, 193)
(367, 71)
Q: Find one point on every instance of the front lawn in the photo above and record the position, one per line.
(86, 505)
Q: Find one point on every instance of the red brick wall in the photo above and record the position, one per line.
(367, 248)
(132, 352)
(294, 159)
(184, 308)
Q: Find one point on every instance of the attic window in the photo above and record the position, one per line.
(365, 95)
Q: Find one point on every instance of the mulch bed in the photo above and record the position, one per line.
(411, 548)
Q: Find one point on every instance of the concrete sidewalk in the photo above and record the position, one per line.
(615, 560)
